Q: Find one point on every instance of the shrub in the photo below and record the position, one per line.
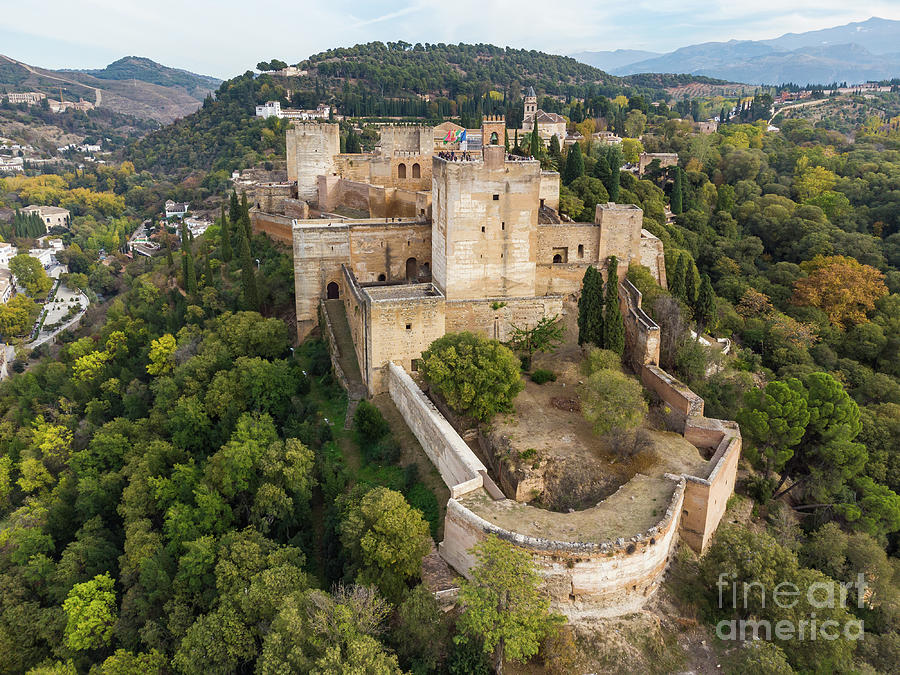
(476, 376)
(601, 359)
(541, 376)
(612, 401)
(369, 423)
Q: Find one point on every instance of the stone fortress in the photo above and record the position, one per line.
(435, 232)
(419, 241)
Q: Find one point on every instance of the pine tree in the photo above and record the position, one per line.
(574, 165)
(225, 235)
(675, 199)
(234, 208)
(590, 308)
(613, 324)
(705, 307)
(677, 284)
(535, 148)
(248, 277)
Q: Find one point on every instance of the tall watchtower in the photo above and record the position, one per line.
(484, 226)
(311, 148)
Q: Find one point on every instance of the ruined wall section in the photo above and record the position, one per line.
(310, 149)
(595, 579)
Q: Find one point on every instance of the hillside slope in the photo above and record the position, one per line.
(150, 91)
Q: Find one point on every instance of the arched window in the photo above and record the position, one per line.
(557, 258)
(333, 291)
(417, 170)
(381, 277)
(495, 140)
(401, 170)
(580, 250)
(412, 269)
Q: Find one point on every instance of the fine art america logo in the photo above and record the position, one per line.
(786, 595)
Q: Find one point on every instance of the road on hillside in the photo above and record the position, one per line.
(97, 92)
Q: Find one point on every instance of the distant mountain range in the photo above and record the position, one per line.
(132, 85)
(853, 53)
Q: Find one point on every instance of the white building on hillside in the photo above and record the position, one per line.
(178, 209)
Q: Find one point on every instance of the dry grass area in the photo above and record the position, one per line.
(579, 467)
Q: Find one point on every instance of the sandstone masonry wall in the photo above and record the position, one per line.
(460, 469)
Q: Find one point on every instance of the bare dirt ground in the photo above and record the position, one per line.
(581, 468)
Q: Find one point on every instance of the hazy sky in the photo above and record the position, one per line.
(227, 37)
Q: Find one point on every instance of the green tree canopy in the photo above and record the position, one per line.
(502, 604)
(475, 375)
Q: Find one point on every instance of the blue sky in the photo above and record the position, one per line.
(227, 37)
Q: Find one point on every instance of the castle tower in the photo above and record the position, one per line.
(530, 105)
(484, 230)
(311, 148)
(493, 129)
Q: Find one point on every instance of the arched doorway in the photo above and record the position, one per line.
(412, 269)
(333, 291)
(401, 170)
(417, 170)
(557, 258)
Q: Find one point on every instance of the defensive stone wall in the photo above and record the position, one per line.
(494, 317)
(641, 332)
(278, 228)
(705, 499)
(460, 469)
(675, 393)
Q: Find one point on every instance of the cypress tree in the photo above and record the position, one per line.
(190, 276)
(690, 283)
(169, 261)
(590, 308)
(675, 201)
(574, 165)
(601, 171)
(352, 145)
(506, 139)
(614, 158)
(245, 216)
(613, 324)
(234, 208)
(554, 146)
(225, 235)
(516, 140)
(248, 277)
(677, 285)
(705, 307)
(535, 148)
